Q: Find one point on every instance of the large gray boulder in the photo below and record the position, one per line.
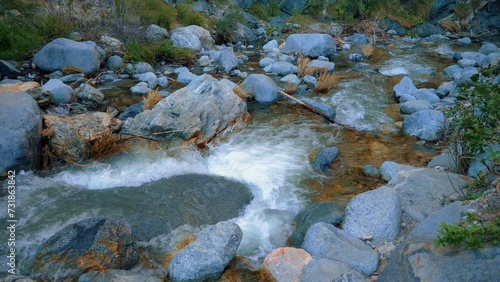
(106, 242)
(62, 52)
(61, 93)
(208, 255)
(426, 124)
(411, 107)
(263, 88)
(326, 270)
(328, 212)
(488, 48)
(310, 45)
(424, 191)
(20, 127)
(374, 215)
(192, 37)
(327, 241)
(426, 94)
(417, 259)
(199, 111)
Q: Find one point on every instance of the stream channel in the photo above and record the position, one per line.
(270, 154)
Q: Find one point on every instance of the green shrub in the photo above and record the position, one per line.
(226, 26)
(186, 16)
(273, 9)
(159, 51)
(470, 235)
(473, 120)
(17, 41)
(258, 11)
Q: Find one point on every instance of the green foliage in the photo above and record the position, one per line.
(346, 10)
(258, 11)
(409, 15)
(227, 24)
(53, 25)
(158, 51)
(300, 18)
(186, 16)
(16, 41)
(470, 235)
(474, 121)
(273, 9)
(152, 11)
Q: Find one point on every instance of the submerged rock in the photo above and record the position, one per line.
(208, 255)
(199, 112)
(103, 242)
(325, 158)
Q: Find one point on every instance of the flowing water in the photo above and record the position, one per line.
(270, 154)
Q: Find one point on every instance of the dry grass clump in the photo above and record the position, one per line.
(302, 68)
(151, 99)
(290, 87)
(326, 82)
(105, 146)
(368, 50)
(71, 70)
(450, 25)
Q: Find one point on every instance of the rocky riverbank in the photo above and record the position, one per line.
(66, 118)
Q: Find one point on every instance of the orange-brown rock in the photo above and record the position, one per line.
(18, 87)
(285, 265)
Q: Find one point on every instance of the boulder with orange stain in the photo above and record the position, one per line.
(18, 87)
(285, 265)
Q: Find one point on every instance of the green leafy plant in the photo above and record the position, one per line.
(470, 234)
(164, 50)
(258, 11)
(186, 16)
(473, 120)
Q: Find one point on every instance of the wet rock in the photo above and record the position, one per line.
(163, 82)
(287, 58)
(262, 87)
(405, 86)
(62, 52)
(227, 60)
(424, 191)
(309, 79)
(72, 136)
(90, 96)
(186, 77)
(328, 212)
(488, 48)
(371, 171)
(357, 38)
(114, 62)
(418, 258)
(116, 275)
(291, 79)
(208, 255)
(104, 242)
(150, 78)
(427, 29)
(483, 162)
(411, 107)
(426, 94)
(326, 241)
(285, 264)
(132, 111)
(281, 68)
(20, 127)
(445, 89)
(323, 108)
(155, 33)
(326, 270)
(451, 70)
(356, 57)
(464, 41)
(375, 214)
(325, 158)
(142, 67)
(62, 93)
(266, 62)
(140, 88)
(310, 45)
(363, 67)
(72, 77)
(192, 37)
(426, 124)
(42, 96)
(198, 111)
(445, 160)
(325, 65)
(389, 169)
(8, 69)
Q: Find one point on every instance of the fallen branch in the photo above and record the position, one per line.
(306, 106)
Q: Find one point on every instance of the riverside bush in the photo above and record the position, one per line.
(226, 26)
(165, 50)
(470, 234)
